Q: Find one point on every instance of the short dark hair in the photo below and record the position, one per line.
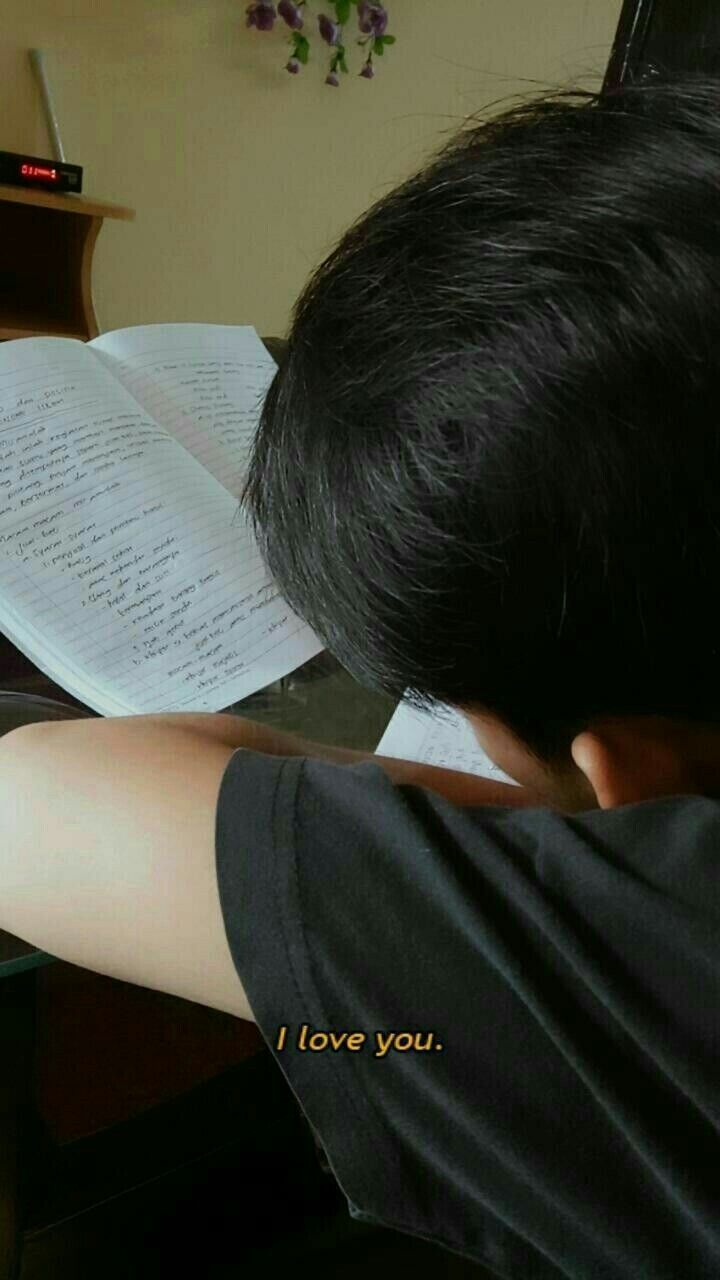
(487, 471)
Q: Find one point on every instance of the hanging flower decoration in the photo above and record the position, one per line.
(372, 21)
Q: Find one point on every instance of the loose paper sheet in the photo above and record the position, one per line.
(448, 743)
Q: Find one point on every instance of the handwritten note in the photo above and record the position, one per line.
(447, 742)
(204, 382)
(125, 572)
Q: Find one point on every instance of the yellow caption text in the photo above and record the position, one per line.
(309, 1040)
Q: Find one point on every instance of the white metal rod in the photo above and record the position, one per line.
(36, 58)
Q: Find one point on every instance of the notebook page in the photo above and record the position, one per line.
(122, 574)
(205, 383)
(448, 742)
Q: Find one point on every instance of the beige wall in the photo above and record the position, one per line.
(243, 176)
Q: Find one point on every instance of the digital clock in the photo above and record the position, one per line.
(34, 171)
(39, 171)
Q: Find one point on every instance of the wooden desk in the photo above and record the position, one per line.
(18, 991)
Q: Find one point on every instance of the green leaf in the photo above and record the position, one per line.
(302, 48)
(388, 39)
(378, 45)
(342, 9)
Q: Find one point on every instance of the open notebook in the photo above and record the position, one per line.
(445, 740)
(128, 571)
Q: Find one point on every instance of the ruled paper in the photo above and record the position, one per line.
(125, 569)
(205, 383)
(447, 742)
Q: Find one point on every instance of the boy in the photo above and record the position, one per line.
(488, 472)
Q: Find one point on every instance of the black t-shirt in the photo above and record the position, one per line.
(559, 1113)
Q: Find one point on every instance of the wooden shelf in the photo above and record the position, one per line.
(10, 332)
(46, 262)
(65, 203)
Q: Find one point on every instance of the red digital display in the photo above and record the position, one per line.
(39, 171)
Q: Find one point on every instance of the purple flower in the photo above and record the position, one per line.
(372, 18)
(291, 14)
(367, 71)
(332, 79)
(261, 15)
(330, 31)
(293, 66)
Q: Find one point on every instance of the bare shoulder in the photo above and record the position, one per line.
(107, 852)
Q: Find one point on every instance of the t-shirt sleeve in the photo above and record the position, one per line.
(283, 914)
(518, 980)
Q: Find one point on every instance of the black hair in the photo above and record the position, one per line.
(487, 471)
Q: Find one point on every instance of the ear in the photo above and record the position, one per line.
(631, 759)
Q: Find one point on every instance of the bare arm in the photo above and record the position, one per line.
(107, 842)
(460, 788)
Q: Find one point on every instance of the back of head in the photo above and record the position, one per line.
(488, 470)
